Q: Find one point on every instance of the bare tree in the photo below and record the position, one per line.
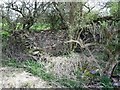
(29, 11)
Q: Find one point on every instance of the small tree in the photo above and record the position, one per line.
(29, 11)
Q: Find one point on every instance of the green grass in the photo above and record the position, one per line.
(31, 66)
(36, 26)
(106, 82)
(37, 69)
(40, 26)
(4, 34)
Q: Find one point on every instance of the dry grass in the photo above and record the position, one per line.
(18, 78)
(66, 66)
(60, 67)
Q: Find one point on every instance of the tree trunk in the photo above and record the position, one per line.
(75, 15)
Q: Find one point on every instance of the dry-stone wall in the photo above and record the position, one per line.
(49, 41)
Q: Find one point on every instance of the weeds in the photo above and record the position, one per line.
(83, 75)
(31, 66)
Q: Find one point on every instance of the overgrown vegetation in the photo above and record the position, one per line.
(31, 66)
(91, 40)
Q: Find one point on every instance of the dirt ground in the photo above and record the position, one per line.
(18, 78)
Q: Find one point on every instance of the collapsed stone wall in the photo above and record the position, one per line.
(21, 42)
(51, 41)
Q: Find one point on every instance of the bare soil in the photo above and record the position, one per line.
(18, 78)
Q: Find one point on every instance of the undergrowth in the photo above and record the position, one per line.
(31, 66)
(37, 69)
